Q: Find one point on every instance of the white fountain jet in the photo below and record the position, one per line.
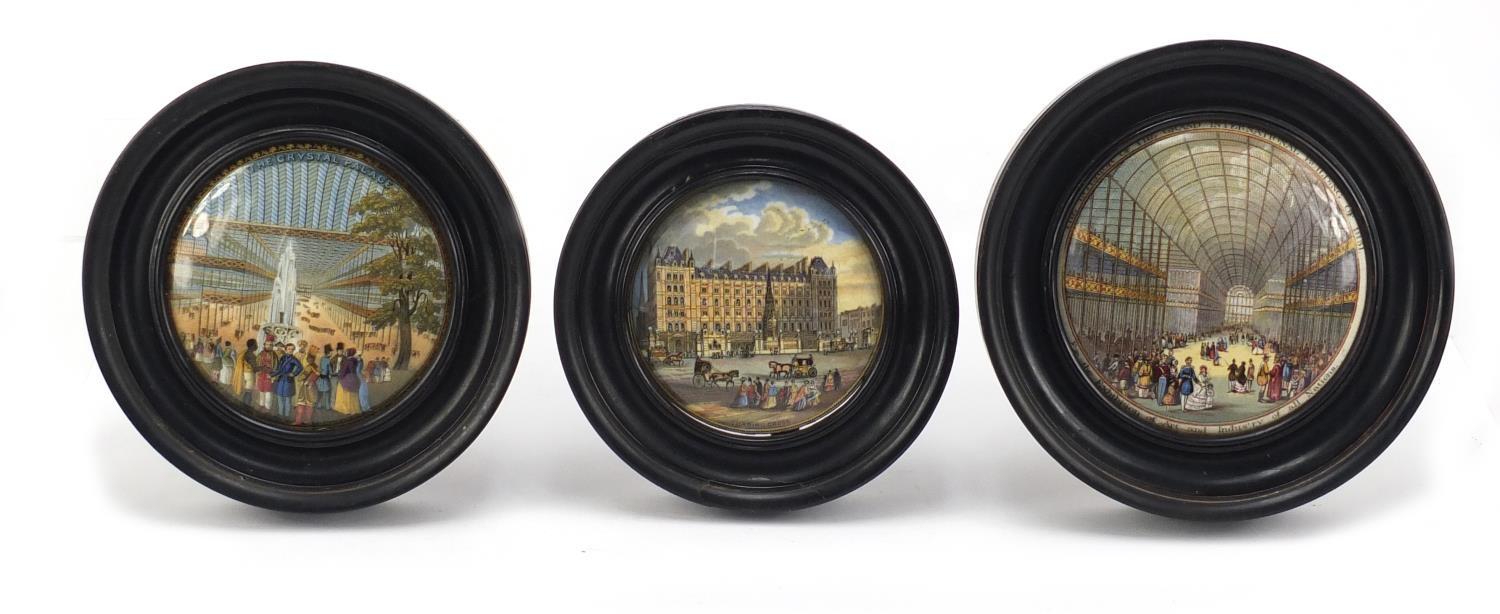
(281, 321)
(284, 288)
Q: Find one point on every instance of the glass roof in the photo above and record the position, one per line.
(305, 200)
(1232, 199)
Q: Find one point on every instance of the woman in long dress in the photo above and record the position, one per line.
(742, 395)
(1143, 380)
(1238, 383)
(1163, 375)
(307, 393)
(770, 401)
(347, 400)
(1203, 393)
(798, 400)
(244, 373)
(1201, 399)
(1173, 395)
(363, 371)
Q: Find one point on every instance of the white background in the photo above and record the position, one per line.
(539, 515)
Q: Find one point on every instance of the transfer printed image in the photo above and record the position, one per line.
(1213, 280)
(307, 285)
(757, 306)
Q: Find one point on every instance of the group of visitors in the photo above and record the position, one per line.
(1151, 371)
(1103, 343)
(1209, 350)
(292, 380)
(1240, 380)
(1157, 376)
(1284, 375)
(787, 395)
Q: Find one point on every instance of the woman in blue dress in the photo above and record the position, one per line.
(742, 395)
(364, 382)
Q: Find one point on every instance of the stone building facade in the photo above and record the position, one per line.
(722, 309)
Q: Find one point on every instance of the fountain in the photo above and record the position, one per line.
(281, 320)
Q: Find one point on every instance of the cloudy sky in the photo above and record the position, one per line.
(779, 221)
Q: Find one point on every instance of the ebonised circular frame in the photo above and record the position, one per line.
(1389, 366)
(793, 470)
(144, 199)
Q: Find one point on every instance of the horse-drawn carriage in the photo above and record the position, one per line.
(800, 366)
(662, 356)
(705, 375)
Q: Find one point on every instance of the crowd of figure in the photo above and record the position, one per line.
(787, 395)
(292, 380)
(1291, 371)
(1157, 376)
(1105, 343)
(1149, 370)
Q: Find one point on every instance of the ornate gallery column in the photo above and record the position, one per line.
(1268, 307)
(1183, 290)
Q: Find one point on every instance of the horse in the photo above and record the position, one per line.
(780, 369)
(727, 377)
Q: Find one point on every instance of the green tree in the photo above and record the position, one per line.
(411, 275)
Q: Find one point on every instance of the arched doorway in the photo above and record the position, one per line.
(1239, 305)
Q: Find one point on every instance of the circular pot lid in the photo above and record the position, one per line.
(273, 277)
(755, 309)
(1215, 280)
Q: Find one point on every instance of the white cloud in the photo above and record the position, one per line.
(715, 228)
(737, 192)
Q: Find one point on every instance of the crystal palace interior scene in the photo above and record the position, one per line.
(307, 286)
(1213, 277)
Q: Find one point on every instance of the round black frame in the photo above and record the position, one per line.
(626, 406)
(156, 180)
(1408, 300)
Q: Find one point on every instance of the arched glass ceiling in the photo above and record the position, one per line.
(301, 196)
(312, 193)
(1233, 200)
